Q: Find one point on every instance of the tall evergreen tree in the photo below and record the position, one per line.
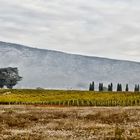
(110, 87)
(137, 88)
(101, 87)
(127, 88)
(119, 87)
(91, 86)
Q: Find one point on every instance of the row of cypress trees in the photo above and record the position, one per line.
(110, 87)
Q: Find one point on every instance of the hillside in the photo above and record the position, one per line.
(53, 69)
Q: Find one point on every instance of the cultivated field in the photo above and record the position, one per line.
(69, 98)
(69, 123)
(69, 115)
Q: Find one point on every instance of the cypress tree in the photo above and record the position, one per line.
(110, 87)
(101, 87)
(127, 88)
(119, 87)
(91, 86)
(137, 88)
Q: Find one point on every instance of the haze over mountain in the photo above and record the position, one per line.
(53, 69)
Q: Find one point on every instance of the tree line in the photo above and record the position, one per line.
(101, 87)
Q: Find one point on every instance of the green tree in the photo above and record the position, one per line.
(137, 88)
(127, 88)
(101, 87)
(91, 86)
(110, 87)
(9, 77)
(119, 87)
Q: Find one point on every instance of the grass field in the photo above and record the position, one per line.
(28, 122)
(69, 98)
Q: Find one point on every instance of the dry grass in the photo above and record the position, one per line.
(73, 123)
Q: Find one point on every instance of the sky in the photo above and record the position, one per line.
(104, 28)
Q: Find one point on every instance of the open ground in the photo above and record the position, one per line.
(29, 122)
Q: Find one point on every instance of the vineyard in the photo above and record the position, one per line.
(68, 98)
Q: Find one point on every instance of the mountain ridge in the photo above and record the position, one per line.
(57, 51)
(58, 70)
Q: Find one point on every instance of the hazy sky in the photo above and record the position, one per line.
(105, 28)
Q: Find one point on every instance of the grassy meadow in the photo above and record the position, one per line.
(68, 98)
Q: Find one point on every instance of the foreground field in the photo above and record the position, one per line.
(69, 98)
(69, 123)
